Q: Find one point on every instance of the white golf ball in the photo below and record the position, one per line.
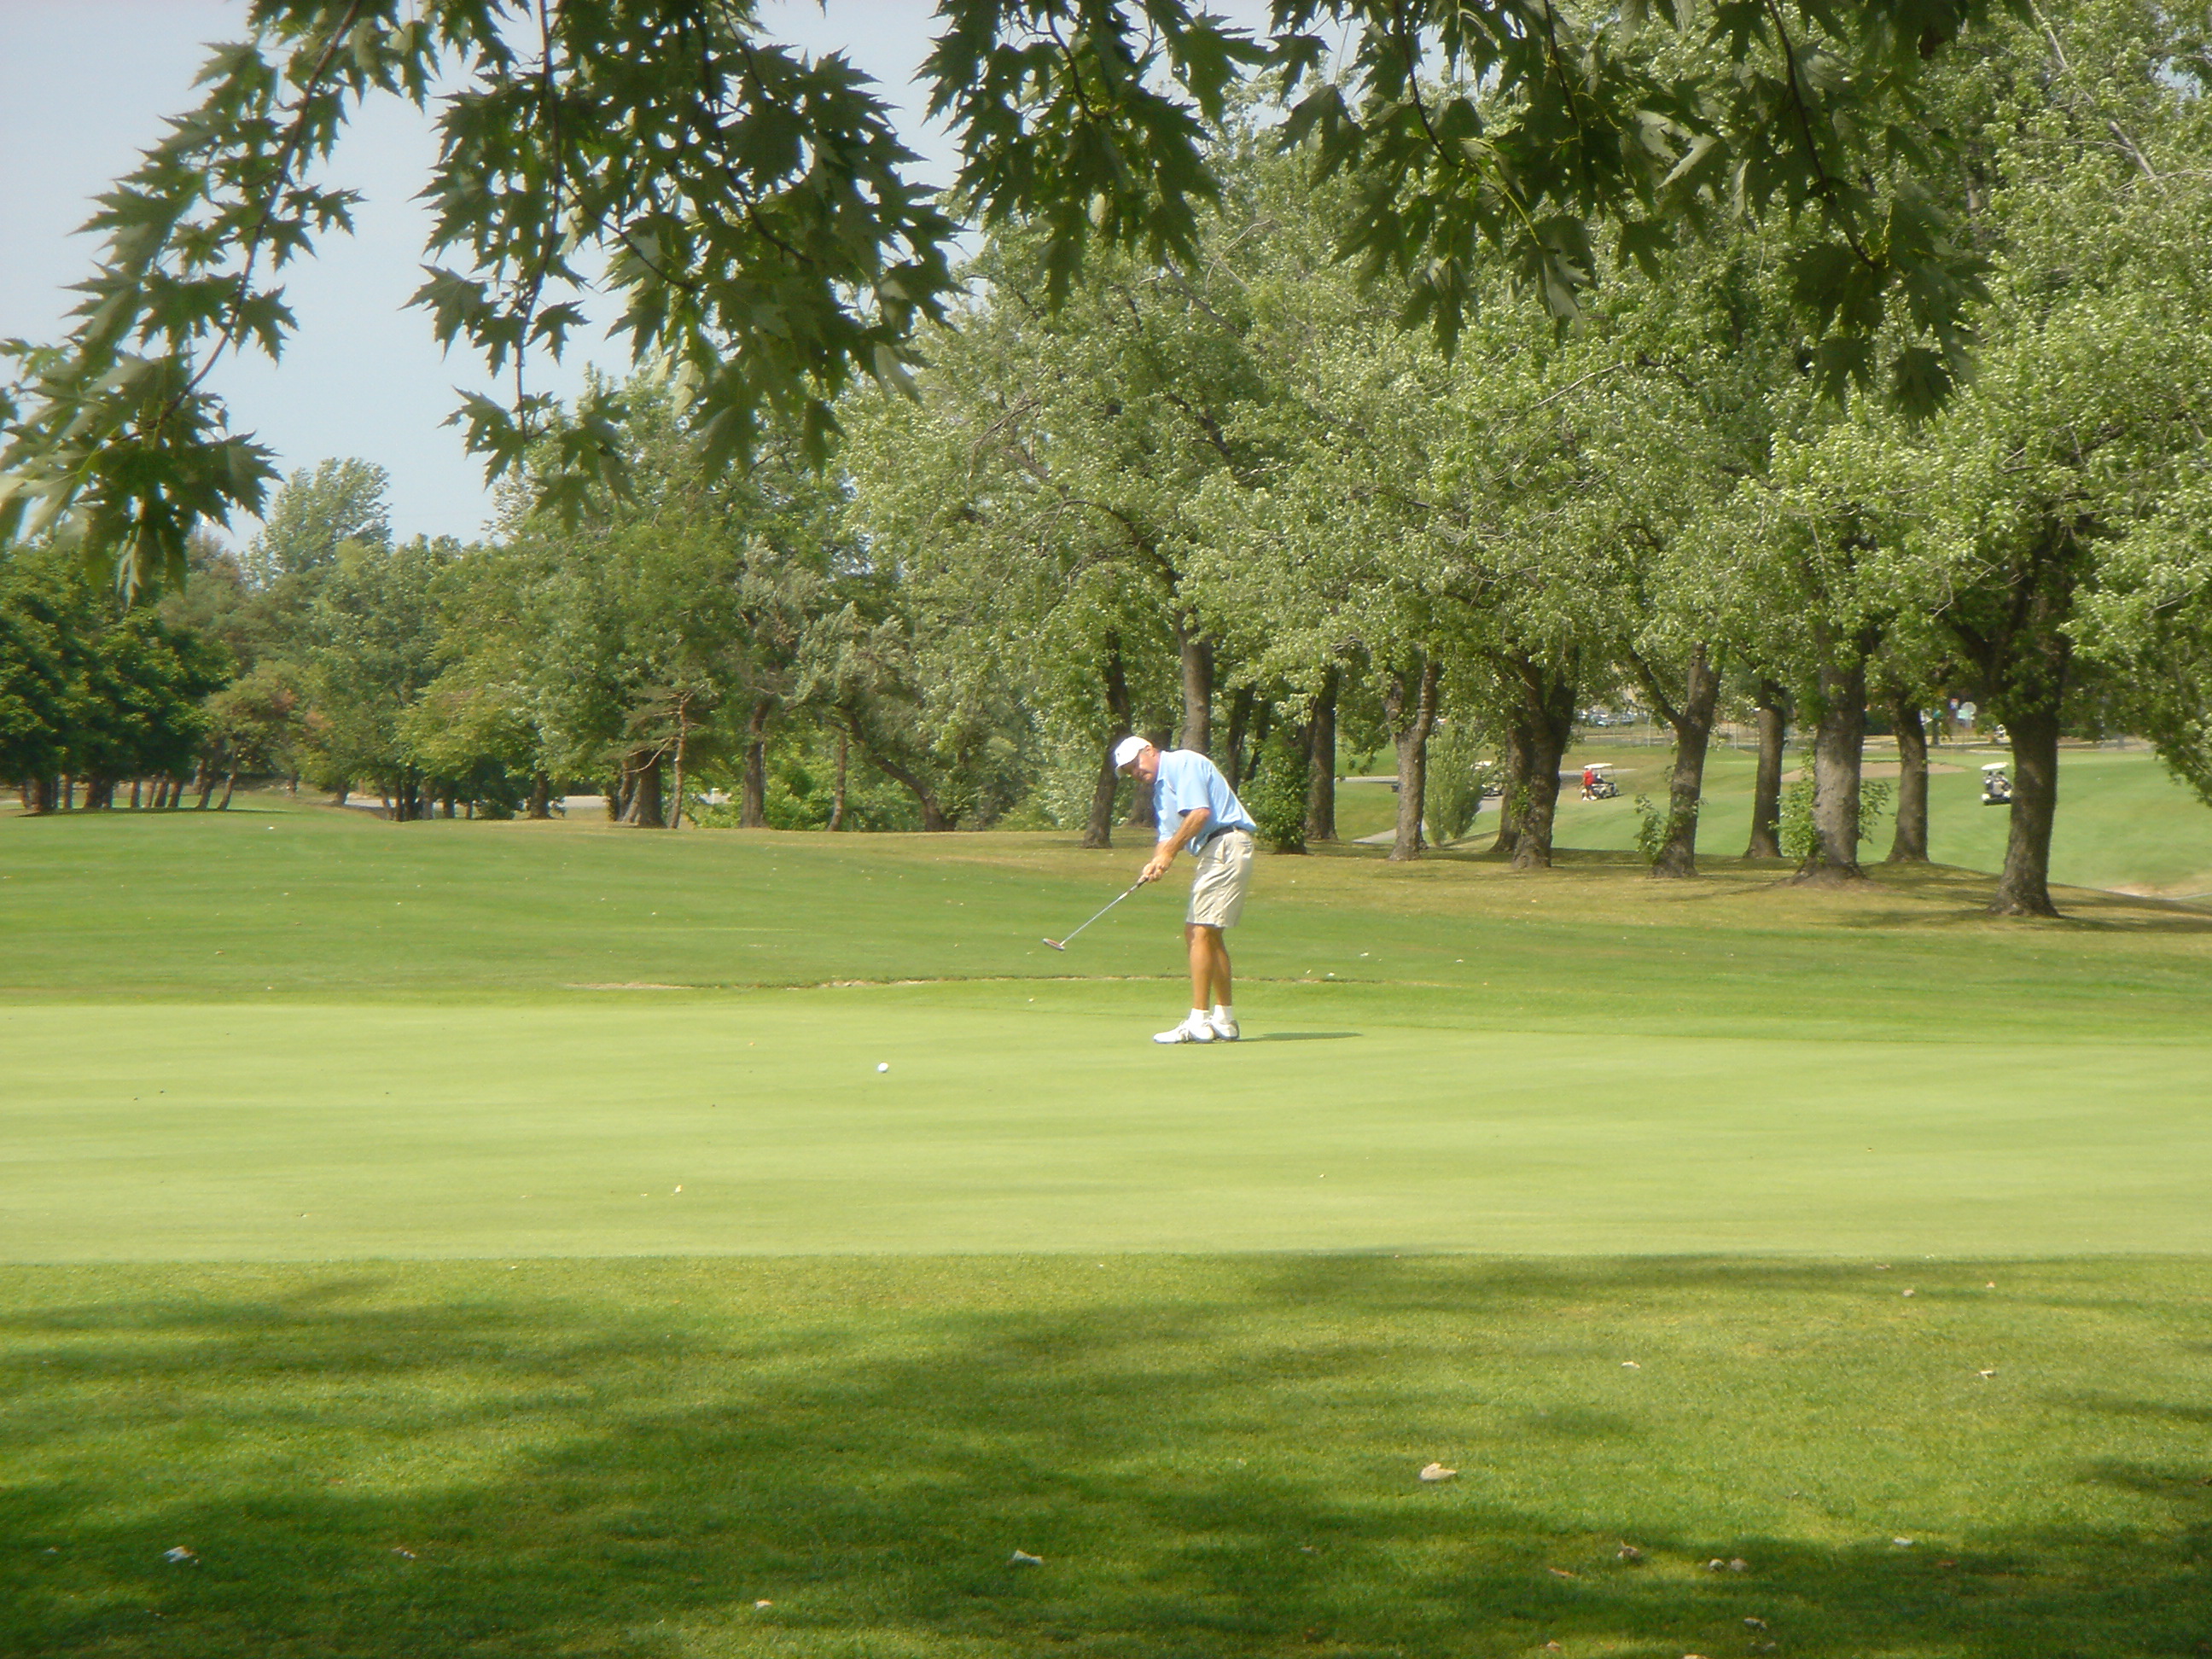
(883, 1065)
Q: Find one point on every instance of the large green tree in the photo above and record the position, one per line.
(760, 230)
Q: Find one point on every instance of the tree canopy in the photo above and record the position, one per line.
(761, 230)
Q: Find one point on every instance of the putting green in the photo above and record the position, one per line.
(1035, 1116)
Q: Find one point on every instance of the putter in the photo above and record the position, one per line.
(1061, 944)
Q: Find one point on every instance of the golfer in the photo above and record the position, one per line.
(1197, 809)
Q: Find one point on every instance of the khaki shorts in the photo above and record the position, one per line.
(1224, 870)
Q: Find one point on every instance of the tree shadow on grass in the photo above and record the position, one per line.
(1211, 1457)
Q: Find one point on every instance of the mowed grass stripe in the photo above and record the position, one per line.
(1004, 1124)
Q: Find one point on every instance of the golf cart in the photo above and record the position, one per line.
(1598, 784)
(1996, 784)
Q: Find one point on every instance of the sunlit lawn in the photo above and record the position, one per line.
(439, 1298)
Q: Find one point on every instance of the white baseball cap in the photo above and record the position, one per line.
(1127, 750)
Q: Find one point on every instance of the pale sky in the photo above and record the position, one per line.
(87, 82)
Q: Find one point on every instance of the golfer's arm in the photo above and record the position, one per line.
(1193, 822)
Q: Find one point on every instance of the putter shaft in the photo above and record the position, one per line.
(1061, 944)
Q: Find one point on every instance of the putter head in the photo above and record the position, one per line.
(1056, 945)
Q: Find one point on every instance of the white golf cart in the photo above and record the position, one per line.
(1598, 784)
(1996, 784)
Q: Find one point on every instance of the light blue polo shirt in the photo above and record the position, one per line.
(1189, 781)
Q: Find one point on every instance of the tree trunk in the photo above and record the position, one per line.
(683, 730)
(1098, 825)
(541, 797)
(1910, 844)
(342, 794)
(1197, 694)
(1320, 760)
(68, 793)
(2024, 888)
(1114, 677)
(752, 792)
(1550, 700)
(935, 819)
(1240, 722)
(837, 790)
(1692, 722)
(1766, 790)
(1513, 779)
(1839, 751)
(647, 810)
(229, 789)
(205, 782)
(1410, 726)
(618, 798)
(135, 782)
(44, 790)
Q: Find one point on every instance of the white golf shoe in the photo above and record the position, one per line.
(1224, 1030)
(1196, 1028)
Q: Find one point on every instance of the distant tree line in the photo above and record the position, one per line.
(1225, 498)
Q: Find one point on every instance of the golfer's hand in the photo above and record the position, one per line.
(1156, 868)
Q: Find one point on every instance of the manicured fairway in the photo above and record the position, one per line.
(498, 1239)
(2123, 819)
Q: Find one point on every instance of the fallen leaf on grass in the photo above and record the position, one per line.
(1755, 1623)
(1437, 1471)
(1902, 1543)
(758, 1606)
(1561, 1572)
(1023, 1559)
(181, 1555)
(409, 1554)
(1628, 1552)
(1629, 1365)
(1985, 1373)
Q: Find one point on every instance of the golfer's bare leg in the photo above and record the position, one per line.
(1209, 967)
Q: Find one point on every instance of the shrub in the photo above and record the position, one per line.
(1796, 835)
(1275, 793)
(1458, 770)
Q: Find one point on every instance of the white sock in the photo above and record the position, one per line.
(1224, 1013)
(1198, 1017)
